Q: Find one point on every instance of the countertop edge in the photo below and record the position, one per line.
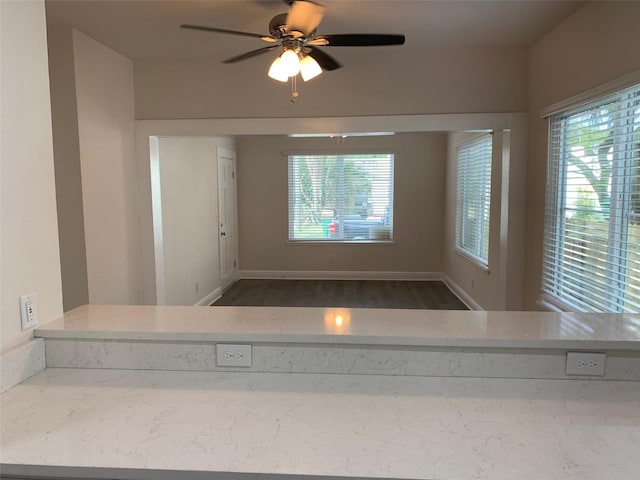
(337, 340)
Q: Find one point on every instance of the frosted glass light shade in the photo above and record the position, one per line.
(290, 63)
(309, 68)
(277, 71)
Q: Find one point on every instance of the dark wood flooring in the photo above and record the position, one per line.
(341, 293)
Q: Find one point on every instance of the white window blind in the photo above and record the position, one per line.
(341, 197)
(473, 197)
(591, 257)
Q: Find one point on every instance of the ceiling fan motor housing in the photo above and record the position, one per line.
(278, 26)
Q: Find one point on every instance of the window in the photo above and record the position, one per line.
(591, 252)
(473, 198)
(341, 197)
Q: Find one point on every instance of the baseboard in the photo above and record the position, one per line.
(461, 294)
(337, 275)
(209, 299)
(21, 362)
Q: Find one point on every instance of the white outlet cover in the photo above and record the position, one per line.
(228, 355)
(585, 363)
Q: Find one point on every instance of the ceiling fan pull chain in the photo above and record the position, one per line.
(294, 89)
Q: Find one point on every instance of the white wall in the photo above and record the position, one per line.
(104, 93)
(267, 164)
(187, 243)
(567, 61)
(498, 287)
(66, 153)
(418, 206)
(489, 80)
(29, 254)
(437, 80)
(597, 44)
(95, 154)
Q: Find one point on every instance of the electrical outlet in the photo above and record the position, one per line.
(583, 363)
(28, 311)
(228, 355)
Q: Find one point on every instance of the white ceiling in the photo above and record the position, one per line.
(149, 29)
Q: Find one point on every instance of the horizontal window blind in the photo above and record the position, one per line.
(591, 256)
(341, 197)
(473, 197)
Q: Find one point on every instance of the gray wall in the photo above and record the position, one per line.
(418, 206)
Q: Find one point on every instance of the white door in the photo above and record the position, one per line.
(227, 215)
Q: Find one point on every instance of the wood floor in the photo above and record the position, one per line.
(341, 293)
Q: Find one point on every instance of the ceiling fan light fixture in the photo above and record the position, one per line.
(277, 72)
(309, 68)
(290, 62)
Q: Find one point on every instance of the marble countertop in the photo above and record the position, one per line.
(125, 424)
(350, 326)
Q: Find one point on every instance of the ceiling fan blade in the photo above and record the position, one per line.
(359, 40)
(304, 17)
(266, 38)
(326, 62)
(252, 53)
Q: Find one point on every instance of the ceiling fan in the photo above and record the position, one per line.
(295, 33)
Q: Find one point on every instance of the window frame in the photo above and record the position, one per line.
(554, 293)
(392, 154)
(484, 228)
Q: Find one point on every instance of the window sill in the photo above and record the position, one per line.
(552, 304)
(478, 262)
(341, 242)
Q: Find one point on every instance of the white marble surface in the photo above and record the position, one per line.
(21, 362)
(350, 326)
(342, 359)
(338, 425)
